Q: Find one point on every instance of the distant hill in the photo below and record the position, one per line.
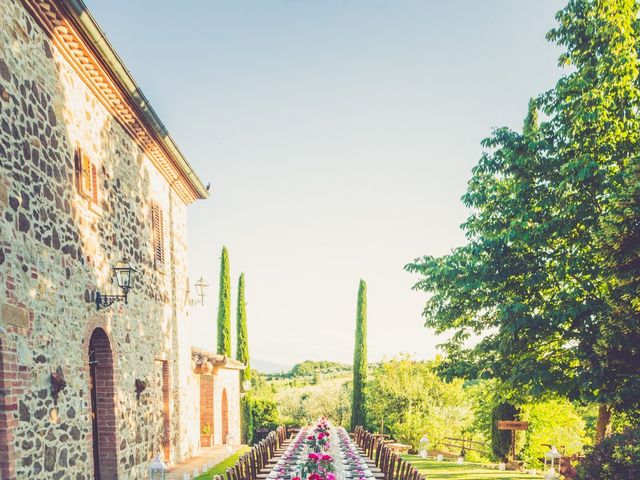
(265, 366)
(311, 367)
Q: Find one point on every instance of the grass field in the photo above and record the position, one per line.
(470, 471)
(220, 468)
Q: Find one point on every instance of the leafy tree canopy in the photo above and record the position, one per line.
(548, 279)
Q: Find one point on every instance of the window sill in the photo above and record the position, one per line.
(90, 205)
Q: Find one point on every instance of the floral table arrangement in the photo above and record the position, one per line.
(322, 452)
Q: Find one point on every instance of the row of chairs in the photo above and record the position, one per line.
(250, 465)
(391, 464)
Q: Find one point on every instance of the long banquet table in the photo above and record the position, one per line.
(348, 460)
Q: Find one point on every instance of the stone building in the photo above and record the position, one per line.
(219, 397)
(89, 176)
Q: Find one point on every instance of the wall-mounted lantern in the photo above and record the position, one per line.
(124, 276)
(201, 288)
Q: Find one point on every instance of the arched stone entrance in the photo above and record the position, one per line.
(105, 465)
(225, 417)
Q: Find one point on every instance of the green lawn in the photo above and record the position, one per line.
(448, 470)
(221, 468)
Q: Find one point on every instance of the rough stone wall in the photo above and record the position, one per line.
(229, 380)
(56, 250)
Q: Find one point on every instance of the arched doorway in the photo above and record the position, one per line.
(103, 418)
(225, 417)
(7, 469)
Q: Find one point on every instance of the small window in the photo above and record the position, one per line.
(157, 219)
(86, 177)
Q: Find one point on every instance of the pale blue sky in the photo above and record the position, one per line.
(338, 136)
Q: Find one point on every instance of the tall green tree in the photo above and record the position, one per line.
(537, 279)
(242, 347)
(224, 306)
(358, 408)
(502, 440)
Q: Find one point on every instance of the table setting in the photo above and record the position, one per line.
(321, 452)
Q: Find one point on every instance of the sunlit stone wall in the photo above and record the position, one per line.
(226, 380)
(56, 250)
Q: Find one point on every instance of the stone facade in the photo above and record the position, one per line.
(57, 249)
(219, 385)
(226, 430)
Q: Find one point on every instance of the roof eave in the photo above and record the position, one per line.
(90, 29)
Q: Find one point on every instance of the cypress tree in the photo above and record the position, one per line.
(358, 413)
(242, 347)
(224, 307)
(247, 424)
(502, 440)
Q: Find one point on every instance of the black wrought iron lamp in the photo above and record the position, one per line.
(124, 276)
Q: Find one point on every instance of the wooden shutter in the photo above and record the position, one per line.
(94, 184)
(157, 219)
(87, 176)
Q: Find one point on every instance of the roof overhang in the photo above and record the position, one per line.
(200, 357)
(78, 37)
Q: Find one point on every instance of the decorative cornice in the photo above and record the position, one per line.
(110, 82)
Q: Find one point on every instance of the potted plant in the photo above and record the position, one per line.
(206, 437)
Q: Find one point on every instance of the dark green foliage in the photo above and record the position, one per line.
(550, 275)
(620, 242)
(224, 306)
(501, 440)
(615, 458)
(358, 412)
(247, 419)
(242, 347)
(530, 126)
(264, 414)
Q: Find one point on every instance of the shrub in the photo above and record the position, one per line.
(413, 401)
(411, 429)
(247, 419)
(264, 414)
(615, 458)
(552, 422)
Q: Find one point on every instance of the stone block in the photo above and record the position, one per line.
(4, 195)
(16, 316)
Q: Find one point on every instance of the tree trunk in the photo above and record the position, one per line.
(603, 427)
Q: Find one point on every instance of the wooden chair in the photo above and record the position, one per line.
(378, 453)
(392, 465)
(384, 460)
(403, 469)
